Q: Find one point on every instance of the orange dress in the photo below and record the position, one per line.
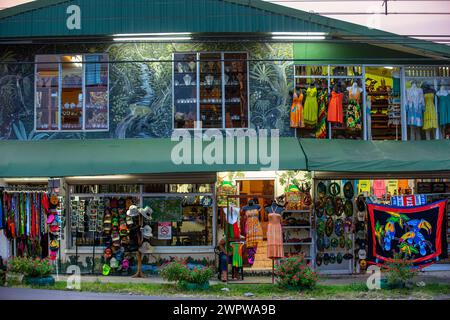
(297, 111)
(335, 108)
(274, 237)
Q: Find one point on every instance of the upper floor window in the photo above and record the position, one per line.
(71, 93)
(210, 90)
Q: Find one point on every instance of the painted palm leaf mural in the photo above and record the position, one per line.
(416, 233)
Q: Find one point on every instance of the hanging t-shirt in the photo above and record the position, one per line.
(379, 188)
(364, 186)
(403, 184)
(392, 187)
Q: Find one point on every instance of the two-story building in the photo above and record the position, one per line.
(91, 93)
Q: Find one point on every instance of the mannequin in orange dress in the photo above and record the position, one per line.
(297, 111)
(274, 232)
(335, 107)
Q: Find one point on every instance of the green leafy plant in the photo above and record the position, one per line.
(294, 272)
(31, 267)
(400, 271)
(178, 271)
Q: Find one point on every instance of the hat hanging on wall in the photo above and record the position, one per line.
(145, 248)
(146, 212)
(132, 211)
(147, 232)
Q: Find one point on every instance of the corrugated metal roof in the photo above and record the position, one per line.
(47, 18)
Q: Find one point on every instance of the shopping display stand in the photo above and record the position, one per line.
(247, 196)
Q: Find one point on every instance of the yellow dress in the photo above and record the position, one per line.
(311, 107)
(429, 116)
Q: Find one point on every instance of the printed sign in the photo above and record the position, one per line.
(409, 201)
(165, 231)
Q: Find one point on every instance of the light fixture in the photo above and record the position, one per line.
(389, 67)
(299, 35)
(171, 36)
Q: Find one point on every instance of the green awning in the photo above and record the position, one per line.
(62, 158)
(377, 156)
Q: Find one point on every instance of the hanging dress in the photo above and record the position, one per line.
(444, 110)
(429, 116)
(236, 258)
(232, 223)
(274, 237)
(311, 107)
(321, 131)
(353, 114)
(335, 108)
(297, 111)
(415, 106)
(254, 233)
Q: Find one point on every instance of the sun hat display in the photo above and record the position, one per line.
(362, 265)
(54, 199)
(334, 189)
(107, 253)
(125, 264)
(129, 220)
(146, 212)
(132, 211)
(348, 190)
(54, 245)
(348, 208)
(50, 218)
(54, 228)
(145, 248)
(123, 230)
(119, 254)
(147, 232)
(113, 263)
(362, 254)
(106, 269)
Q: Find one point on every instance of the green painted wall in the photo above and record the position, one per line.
(349, 53)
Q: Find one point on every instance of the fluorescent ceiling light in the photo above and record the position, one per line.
(388, 67)
(152, 38)
(299, 35)
(152, 34)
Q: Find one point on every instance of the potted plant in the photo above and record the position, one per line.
(400, 273)
(294, 273)
(15, 270)
(178, 271)
(38, 272)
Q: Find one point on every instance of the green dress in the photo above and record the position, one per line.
(311, 107)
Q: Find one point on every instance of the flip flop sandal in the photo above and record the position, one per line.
(326, 243)
(339, 227)
(334, 189)
(332, 258)
(320, 244)
(320, 212)
(326, 259)
(334, 242)
(348, 224)
(348, 208)
(349, 244)
(320, 228)
(361, 203)
(318, 259)
(339, 258)
(348, 256)
(329, 227)
(329, 206)
(342, 242)
(348, 190)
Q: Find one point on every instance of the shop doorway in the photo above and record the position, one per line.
(263, 191)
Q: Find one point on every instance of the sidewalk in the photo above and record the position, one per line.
(442, 277)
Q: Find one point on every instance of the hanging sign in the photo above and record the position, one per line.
(364, 186)
(164, 231)
(416, 233)
(409, 201)
(392, 187)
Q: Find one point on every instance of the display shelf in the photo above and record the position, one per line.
(297, 243)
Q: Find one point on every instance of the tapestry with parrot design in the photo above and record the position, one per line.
(418, 233)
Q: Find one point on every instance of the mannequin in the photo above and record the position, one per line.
(415, 106)
(274, 232)
(443, 106)
(429, 115)
(353, 113)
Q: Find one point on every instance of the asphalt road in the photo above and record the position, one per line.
(37, 294)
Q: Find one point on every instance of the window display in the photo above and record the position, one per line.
(427, 102)
(327, 102)
(383, 103)
(72, 92)
(210, 88)
(47, 92)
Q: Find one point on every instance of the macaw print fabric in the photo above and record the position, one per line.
(416, 233)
